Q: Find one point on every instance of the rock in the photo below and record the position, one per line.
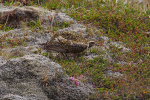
(62, 17)
(91, 57)
(121, 47)
(75, 27)
(2, 60)
(114, 74)
(13, 97)
(35, 77)
(14, 16)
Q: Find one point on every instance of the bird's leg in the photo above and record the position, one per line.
(65, 55)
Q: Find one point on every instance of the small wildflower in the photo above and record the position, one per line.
(76, 83)
(94, 86)
(145, 92)
(79, 77)
(135, 32)
(72, 78)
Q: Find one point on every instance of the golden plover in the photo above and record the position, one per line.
(67, 46)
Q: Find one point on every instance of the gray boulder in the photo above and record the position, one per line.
(36, 77)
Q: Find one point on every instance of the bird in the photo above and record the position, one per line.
(69, 36)
(63, 45)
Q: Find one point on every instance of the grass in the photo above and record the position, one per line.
(128, 23)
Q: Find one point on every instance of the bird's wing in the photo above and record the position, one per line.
(56, 48)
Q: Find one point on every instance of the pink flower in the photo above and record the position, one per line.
(76, 83)
(79, 77)
(72, 78)
(94, 86)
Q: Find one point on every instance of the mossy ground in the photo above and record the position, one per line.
(129, 23)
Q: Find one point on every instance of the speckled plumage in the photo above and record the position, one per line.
(67, 42)
(69, 36)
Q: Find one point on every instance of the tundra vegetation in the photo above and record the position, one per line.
(127, 22)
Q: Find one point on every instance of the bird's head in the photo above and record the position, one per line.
(92, 43)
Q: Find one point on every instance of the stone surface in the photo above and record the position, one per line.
(13, 97)
(2, 60)
(114, 74)
(14, 16)
(35, 77)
